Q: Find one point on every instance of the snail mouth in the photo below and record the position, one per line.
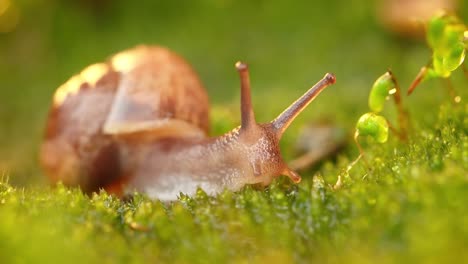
(294, 176)
(265, 175)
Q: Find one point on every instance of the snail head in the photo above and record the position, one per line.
(262, 140)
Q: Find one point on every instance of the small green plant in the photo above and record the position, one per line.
(372, 124)
(447, 36)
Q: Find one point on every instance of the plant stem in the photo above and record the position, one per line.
(402, 114)
(419, 77)
(361, 150)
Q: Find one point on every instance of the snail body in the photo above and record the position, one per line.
(140, 121)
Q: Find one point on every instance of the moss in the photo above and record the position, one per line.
(409, 206)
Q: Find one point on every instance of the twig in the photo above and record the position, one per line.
(402, 115)
(361, 151)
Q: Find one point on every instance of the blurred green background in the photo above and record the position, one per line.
(289, 46)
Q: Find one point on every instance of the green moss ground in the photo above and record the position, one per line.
(410, 206)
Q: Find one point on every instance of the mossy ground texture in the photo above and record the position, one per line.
(410, 205)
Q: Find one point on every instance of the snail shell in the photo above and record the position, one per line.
(144, 90)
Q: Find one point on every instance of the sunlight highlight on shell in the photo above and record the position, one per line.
(70, 87)
(124, 62)
(90, 75)
(93, 73)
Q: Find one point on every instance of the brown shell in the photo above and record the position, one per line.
(141, 89)
(158, 89)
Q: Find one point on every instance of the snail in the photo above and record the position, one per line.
(139, 122)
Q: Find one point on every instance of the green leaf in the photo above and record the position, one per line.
(373, 125)
(444, 32)
(380, 91)
(438, 64)
(455, 57)
(453, 36)
(435, 31)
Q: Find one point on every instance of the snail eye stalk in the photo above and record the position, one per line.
(282, 122)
